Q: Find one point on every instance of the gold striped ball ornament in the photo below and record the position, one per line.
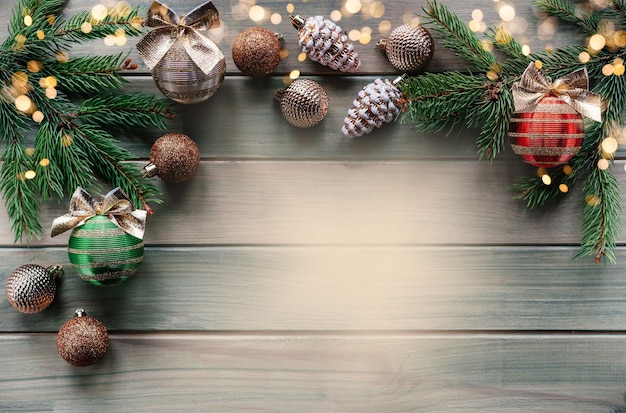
(548, 136)
(106, 243)
(102, 253)
(31, 288)
(82, 340)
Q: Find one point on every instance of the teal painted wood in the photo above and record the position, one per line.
(252, 289)
(320, 373)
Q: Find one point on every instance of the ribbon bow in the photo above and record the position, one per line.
(169, 28)
(115, 205)
(573, 89)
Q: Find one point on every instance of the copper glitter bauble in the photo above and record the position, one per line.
(548, 136)
(326, 43)
(174, 157)
(409, 47)
(256, 51)
(31, 288)
(82, 340)
(304, 103)
(377, 103)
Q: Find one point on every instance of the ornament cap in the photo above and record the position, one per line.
(55, 271)
(382, 45)
(80, 313)
(150, 170)
(297, 21)
(399, 79)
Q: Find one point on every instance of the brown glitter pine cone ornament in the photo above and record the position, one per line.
(409, 47)
(82, 340)
(377, 103)
(304, 103)
(326, 43)
(256, 51)
(174, 157)
(31, 288)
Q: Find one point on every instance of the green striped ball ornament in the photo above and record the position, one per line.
(102, 253)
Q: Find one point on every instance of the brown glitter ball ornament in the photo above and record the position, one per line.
(409, 47)
(326, 43)
(31, 288)
(82, 340)
(174, 157)
(256, 51)
(304, 103)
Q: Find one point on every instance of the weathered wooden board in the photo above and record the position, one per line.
(339, 289)
(320, 373)
(348, 202)
(302, 271)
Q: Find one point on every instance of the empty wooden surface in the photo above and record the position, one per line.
(302, 271)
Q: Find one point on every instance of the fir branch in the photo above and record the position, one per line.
(109, 159)
(568, 12)
(493, 116)
(131, 110)
(438, 101)
(601, 215)
(19, 194)
(127, 19)
(87, 75)
(457, 36)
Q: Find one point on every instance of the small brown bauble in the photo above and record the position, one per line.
(31, 288)
(256, 51)
(174, 157)
(82, 340)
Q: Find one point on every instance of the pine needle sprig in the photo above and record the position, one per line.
(88, 74)
(569, 13)
(131, 110)
(457, 36)
(73, 145)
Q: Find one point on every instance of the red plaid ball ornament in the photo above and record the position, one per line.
(548, 136)
(547, 128)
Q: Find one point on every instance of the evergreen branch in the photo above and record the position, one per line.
(129, 20)
(493, 116)
(437, 101)
(109, 159)
(19, 194)
(601, 215)
(457, 36)
(567, 12)
(131, 110)
(87, 75)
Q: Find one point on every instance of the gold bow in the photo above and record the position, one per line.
(169, 28)
(573, 89)
(115, 205)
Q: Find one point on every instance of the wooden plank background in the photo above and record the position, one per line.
(302, 271)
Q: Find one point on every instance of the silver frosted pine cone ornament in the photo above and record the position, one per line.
(256, 51)
(377, 103)
(82, 340)
(31, 288)
(186, 65)
(326, 43)
(304, 103)
(174, 157)
(409, 47)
